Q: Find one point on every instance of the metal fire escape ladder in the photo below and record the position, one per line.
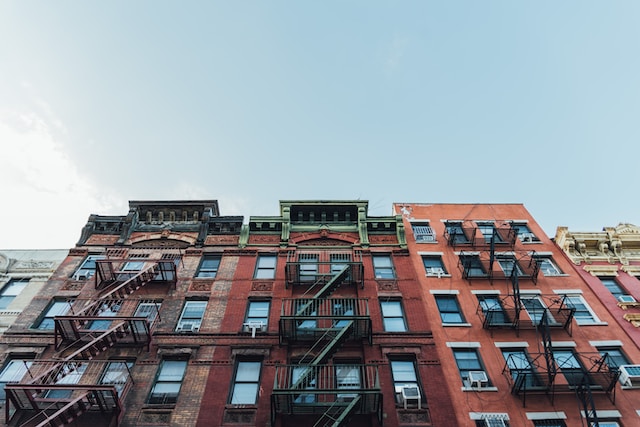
(583, 392)
(335, 415)
(338, 416)
(545, 332)
(517, 302)
(98, 342)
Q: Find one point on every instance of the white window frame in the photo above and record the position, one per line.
(547, 258)
(83, 272)
(427, 236)
(264, 269)
(576, 293)
(191, 323)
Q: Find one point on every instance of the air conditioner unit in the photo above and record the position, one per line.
(478, 379)
(435, 271)
(409, 394)
(626, 298)
(80, 276)
(527, 237)
(188, 327)
(630, 375)
(254, 327)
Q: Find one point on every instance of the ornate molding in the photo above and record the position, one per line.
(262, 286)
(601, 270)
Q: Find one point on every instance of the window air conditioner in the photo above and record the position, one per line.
(527, 237)
(626, 298)
(435, 271)
(478, 379)
(409, 394)
(630, 375)
(80, 276)
(188, 327)
(254, 327)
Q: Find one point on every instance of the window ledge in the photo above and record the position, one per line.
(629, 387)
(593, 324)
(463, 388)
(436, 276)
(456, 324)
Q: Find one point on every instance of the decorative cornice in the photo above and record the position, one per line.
(601, 270)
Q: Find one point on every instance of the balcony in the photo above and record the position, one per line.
(312, 319)
(127, 275)
(92, 326)
(540, 374)
(331, 391)
(307, 270)
(480, 236)
(487, 265)
(56, 393)
(525, 313)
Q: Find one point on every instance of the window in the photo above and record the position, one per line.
(404, 375)
(309, 383)
(570, 366)
(308, 267)
(489, 232)
(521, 368)
(209, 266)
(547, 266)
(88, 267)
(246, 381)
(70, 373)
(10, 291)
(492, 422)
(393, 316)
(265, 267)
(449, 309)
(13, 372)
(472, 266)
(549, 423)
(117, 373)
(613, 357)
(383, 267)
(166, 386)
(455, 232)
(149, 310)
(108, 309)
(612, 286)
(583, 313)
(467, 360)
(191, 317)
(433, 265)
(536, 309)
(347, 377)
(507, 264)
(133, 266)
(258, 312)
(493, 310)
(56, 308)
(423, 232)
(523, 232)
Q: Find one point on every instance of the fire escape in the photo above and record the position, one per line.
(320, 325)
(77, 384)
(494, 254)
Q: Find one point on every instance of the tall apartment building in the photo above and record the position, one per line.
(122, 333)
(609, 262)
(23, 272)
(326, 325)
(174, 315)
(523, 340)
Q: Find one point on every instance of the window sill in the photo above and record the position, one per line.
(463, 388)
(466, 325)
(593, 324)
(435, 276)
(170, 406)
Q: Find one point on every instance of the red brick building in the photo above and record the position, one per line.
(523, 340)
(174, 315)
(326, 326)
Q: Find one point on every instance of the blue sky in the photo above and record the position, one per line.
(254, 102)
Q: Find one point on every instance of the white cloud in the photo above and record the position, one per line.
(46, 202)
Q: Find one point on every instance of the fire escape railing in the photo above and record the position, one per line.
(325, 323)
(54, 392)
(90, 328)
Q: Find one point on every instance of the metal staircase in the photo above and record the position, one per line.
(58, 392)
(312, 386)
